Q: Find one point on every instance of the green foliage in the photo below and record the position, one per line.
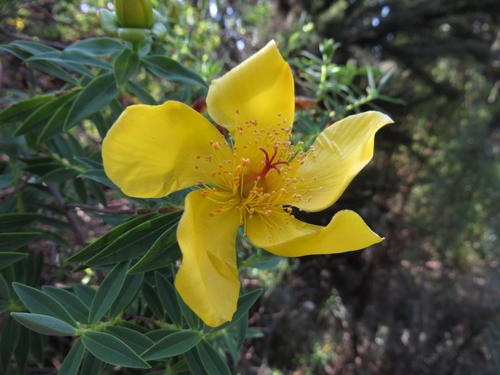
(77, 257)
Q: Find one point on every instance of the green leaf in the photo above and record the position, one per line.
(20, 110)
(174, 344)
(194, 363)
(91, 365)
(8, 342)
(125, 66)
(4, 288)
(136, 340)
(78, 310)
(133, 240)
(22, 349)
(92, 98)
(85, 293)
(12, 221)
(40, 303)
(245, 302)
(8, 258)
(128, 293)
(168, 298)
(152, 300)
(73, 359)
(171, 70)
(112, 350)
(161, 248)
(140, 93)
(98, 175)
(211, 359)
(44, 324)
(53, 70)
(71, 57)
(56, 122)
(99, 244)
(107, 293)
(59, 175)
(13, 241)
(37, 347)
(97, 46)
(32, 47)
(189, 316)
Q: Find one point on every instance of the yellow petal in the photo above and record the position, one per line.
(151, 151)
(338, 154)
(255, 100)
(283, 235)
(208, 277)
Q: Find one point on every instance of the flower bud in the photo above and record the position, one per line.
(134, 13)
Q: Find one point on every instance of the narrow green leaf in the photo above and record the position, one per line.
(211, 359)
(231, 346)
(72, 303)
(112, 350)
(8, 258)
(37, 347)
(71, 57)
(22, 349)
(140, 93)
(32, 47)
(125, 66)
(4, 288)
(93, 97)
(130, 289)
(44, 324)
(139, 235)
(53, 70)
(85, 293)
(73, 359)
(98, 175)
(194, 363)
(171, 70)
(168, 298)
(245, 302)
(8, 342)
(107, 293)
(99, 244)
(59, 175)
(189, 316)
(241, 329)
(174, 344)
(17, 52)
(97, 46)
(91, 365)
(152, 301)
(20, 110)
(160, 248)
(158, 334)
(12, 221)
(56, 122)
(40, 303)
(13, 241)
(136, 340)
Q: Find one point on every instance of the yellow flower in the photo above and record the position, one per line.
(152, 151)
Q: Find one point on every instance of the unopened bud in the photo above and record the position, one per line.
(134, 13)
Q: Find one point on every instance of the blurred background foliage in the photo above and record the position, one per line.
(425, 301)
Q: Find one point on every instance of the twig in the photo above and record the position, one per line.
(144, 319)
(119, 211)
(12, 35)
(12, 189)
(69, 213)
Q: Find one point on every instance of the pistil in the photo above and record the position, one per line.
(269, 163)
